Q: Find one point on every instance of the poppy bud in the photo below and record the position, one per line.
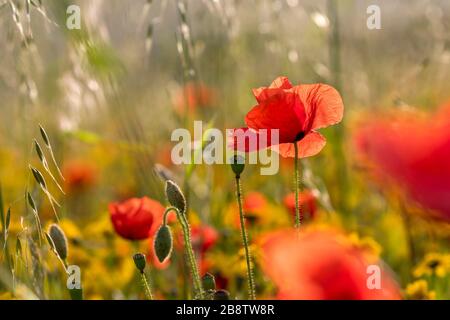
(163, 243)
(59, 240)
(237, 165)
(175, 196)
(139, 261)
(221, 295)
(209, 282)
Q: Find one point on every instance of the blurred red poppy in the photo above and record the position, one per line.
(320, 265)
(79, 175)
(253, 202)
(194, 95)
(296, 111)
(255, 207)
(307, 201)
(413, 152)
(136, 218)
(203, 237)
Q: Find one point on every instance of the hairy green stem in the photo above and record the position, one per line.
(250, 278)
(190, 253)
(198, 288)
(146, 285)
(297, 187)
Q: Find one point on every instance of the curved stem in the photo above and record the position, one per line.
(297, 187)
(250, 278)
(146, 285)
(166, 213)
(188, 248)
(190, 253)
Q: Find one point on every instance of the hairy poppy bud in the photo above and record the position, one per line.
(221, 295)
(209, 282)
(237, 164)
(175, 196)
(163, 243)
(59, 240)
(139, 261)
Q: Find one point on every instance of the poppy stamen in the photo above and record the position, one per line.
(300, 136)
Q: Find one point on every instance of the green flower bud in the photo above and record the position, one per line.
(208, 282)
(175, 196)
(163, 243)
(221, 295)
(237, 164)
(59, 240)
(139, 261)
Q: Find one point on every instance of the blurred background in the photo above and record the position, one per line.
(109, 96)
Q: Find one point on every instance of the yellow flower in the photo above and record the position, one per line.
(418, 290)
(70, 229)
(433, 264)
(367, 245)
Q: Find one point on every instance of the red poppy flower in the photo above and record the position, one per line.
(136, 219)
(192, 96)
(79, 175)
(203, 237)
(413, 152)
(253, 202)
(296, 111)
(320, 265)
(307, 201)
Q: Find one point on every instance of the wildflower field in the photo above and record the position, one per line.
(224, 149)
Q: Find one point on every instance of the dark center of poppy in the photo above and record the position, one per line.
(300, 136)
(433, 264)
(252, 218)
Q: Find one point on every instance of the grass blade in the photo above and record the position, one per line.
(46, 139)
(44, 162)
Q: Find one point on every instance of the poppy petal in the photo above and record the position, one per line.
(281, 83)
(249, 140)
(277, 86)
(323, 104)
(309, 146)
(282, 111)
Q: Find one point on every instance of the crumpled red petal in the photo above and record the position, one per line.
(309, 146)
(323, 104)
(284, 112)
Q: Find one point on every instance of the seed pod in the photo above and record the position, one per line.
(237, 165)
(175, 196)
(163, 243)
(59, 239)
(209, 282)
(31, 202)
(139, 261)
(44, 136)
(221, 295)
(39, 177)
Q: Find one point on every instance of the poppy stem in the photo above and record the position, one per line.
(297, 187)
(190, 253)
(250, 278)
(146, 285)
